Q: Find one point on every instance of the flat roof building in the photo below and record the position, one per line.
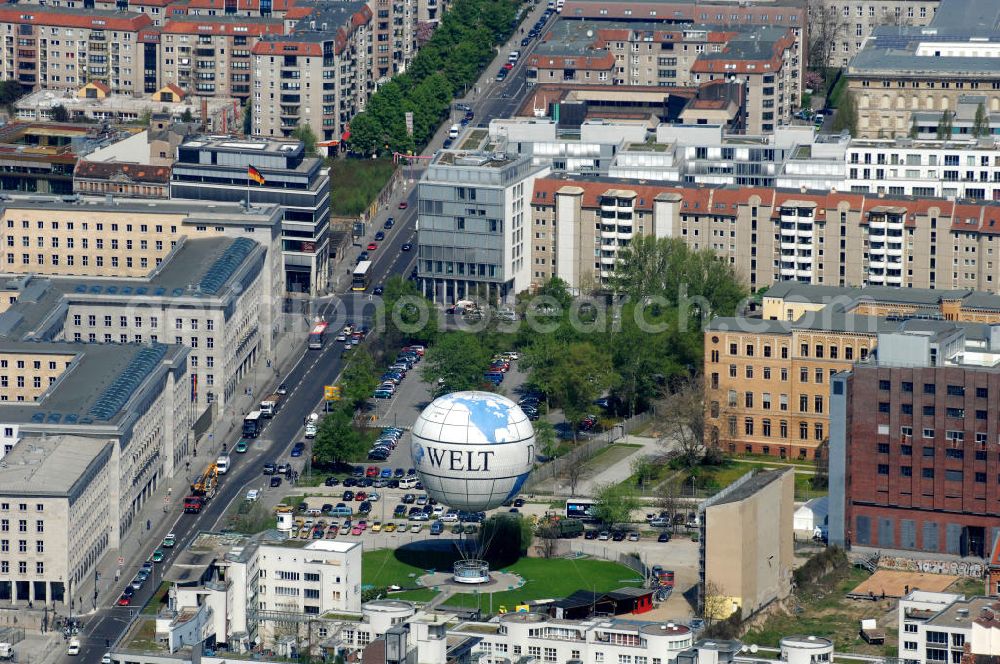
(214, 168)
(93, 431)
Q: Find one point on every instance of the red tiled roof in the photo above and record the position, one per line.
(314, 49)
(102, 86)
(103, 170)
(190, 25)
(735, 65)
(32, 15)
(687, 12)
(602, 63)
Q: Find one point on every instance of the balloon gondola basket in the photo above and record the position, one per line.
(471, 571)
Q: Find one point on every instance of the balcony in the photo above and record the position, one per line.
(804, 235)
(788, 271)
(804, 273)
(625, 235)
(608, 234)
(894, 279)
(877, 265)
(607, 260)
(613, 247)
(895, 250)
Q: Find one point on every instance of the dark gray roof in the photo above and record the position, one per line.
(90, 390)
(335, 14)
(750, 325)
(747, 487)
(929, 297)
(756, 43)
(965, 15)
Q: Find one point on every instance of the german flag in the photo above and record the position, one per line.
(255, 175)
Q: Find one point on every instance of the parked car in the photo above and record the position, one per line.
(604, 536)
(275, 481)
(663, 537)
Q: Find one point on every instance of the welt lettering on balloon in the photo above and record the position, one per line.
(459, 460)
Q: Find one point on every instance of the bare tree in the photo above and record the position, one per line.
(643, 468)
(547, 547)
(680, 418)
(668, 498)
(715, 605)
(826, 29)
(573, 474)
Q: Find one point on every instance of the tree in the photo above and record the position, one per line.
(847, 114)
(914, 128)
(545, 438)
(247, 118)
(981, 124)
(456, 361)
(582, 374)
(59, 113)
(503, 539)
(944, 126)
(10, 91)
(337, 441)
(187, 116)
(826, 29)
(680, 417)
(305, 134)
(669, 497)
(821, 464)
(614, 503)
(575, 472)
(715, 605)
(643, 469)
(358, 380)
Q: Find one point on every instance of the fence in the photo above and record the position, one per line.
(598, 551)
(584, 451)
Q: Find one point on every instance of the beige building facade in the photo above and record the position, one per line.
(746, 556)
(768, 235)
(846, 25)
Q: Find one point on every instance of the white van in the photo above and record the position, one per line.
(74, 647)
(408, 483)
(222, 464)
(513, 57)
(453, 132)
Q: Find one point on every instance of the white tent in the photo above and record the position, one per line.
(812, 514)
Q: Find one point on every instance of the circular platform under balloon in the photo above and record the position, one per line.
(471, 571)
(495, 582)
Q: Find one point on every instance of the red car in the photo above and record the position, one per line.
(372, 246)
(360, 496)
(403, 205)
(508, 66)
(124, 601)
(372, 471)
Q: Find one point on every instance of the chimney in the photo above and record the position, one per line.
(204, 112)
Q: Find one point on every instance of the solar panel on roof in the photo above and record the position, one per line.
(38, 417)
(86, 420)
(224, 266)
(141, 290)
(159, 291)
(177, 292)
(111, 290)
(126, 290)
(71, 418)
(95, 289)
(80, 289)
(54, 418)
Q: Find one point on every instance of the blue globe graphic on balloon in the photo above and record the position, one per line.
(473, 450)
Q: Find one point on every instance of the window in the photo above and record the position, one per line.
(883, 469)
(882, 448)
(39, 526)
(953, 475)
(906, 471)
(928, 433)
(929, 388)
(884, 385)
(927, 473)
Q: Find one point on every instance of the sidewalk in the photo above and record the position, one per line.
(621, 470)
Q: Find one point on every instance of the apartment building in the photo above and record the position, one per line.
(910, 437)
(765, 60)
(474, 234)
(92, 445)
(319, 74)
(768, 235)
(215, 169)
(902, 71)
(210, 56)
(50, 48)
(131, 273)
(393, 34)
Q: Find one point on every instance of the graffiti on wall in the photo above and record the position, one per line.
(953, 567)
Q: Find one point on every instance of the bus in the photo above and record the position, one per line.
(317, 336)
(253, 423)
(580, 508)
(359, 281)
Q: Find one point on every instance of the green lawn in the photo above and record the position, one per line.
(544, 579)
(555, 578)
(355, 183)
(158, 599)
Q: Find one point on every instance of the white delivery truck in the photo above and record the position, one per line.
(223, 463)
(453, 132)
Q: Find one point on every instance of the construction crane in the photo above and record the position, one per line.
(202, 490)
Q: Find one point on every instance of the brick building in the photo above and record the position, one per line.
(913, 432)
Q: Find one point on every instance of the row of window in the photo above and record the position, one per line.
(37, 365)
(22, 507)
(22, 567)
(137, 321)
(22, 546)
(84, 260)
(748, 402)
(928, 474)
(99, 226)
(931, 388)
(22, 526)
(819, 351)
(85, 243)
(767, 430)
(956, 453)
(929, 411)
(748, 372)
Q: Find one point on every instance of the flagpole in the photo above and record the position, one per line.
(248, 189)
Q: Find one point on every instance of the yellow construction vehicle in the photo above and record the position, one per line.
(202, 490)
